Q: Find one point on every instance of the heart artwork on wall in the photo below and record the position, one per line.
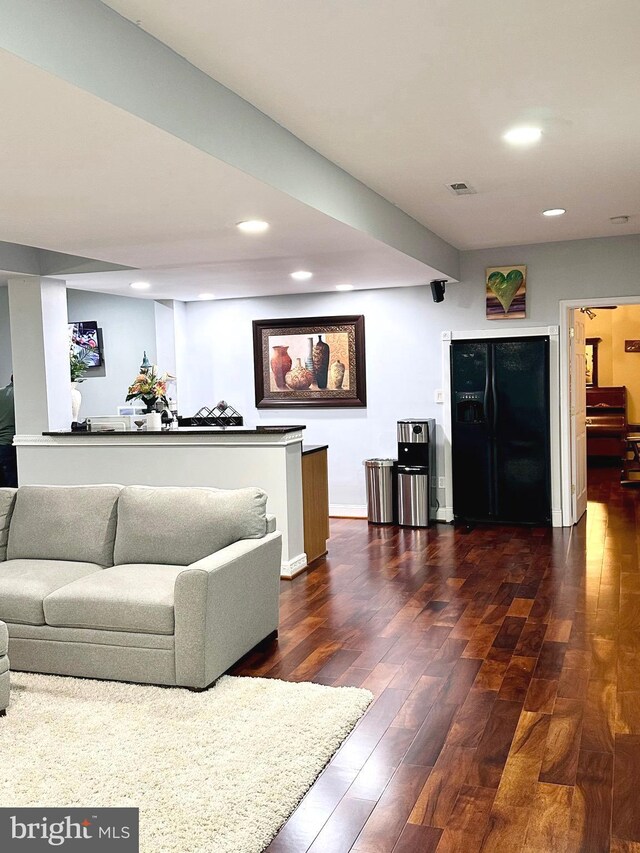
(506, 292)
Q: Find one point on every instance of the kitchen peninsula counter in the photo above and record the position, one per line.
(228, 458)
(181, 431)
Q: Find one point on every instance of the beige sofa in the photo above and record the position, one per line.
(158, 585)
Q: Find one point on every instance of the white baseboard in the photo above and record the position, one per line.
(444, 513)
(290, 568)
(348, 510)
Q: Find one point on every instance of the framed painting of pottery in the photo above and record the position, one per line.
(310, 362)
(506, 292)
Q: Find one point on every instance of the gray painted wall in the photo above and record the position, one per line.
(403, 335)
(5, 337)
(403, 342)
(128, 327)
(567, 270)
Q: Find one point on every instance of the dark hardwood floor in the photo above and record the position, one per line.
(506, 668)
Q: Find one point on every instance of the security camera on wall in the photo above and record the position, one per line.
(437, 289)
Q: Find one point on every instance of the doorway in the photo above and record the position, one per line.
(600, 394)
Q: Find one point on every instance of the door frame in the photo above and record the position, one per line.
(552, 332)
(567, 307)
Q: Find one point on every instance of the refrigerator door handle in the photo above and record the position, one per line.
(493, 450)
(494, 399)
(486, 405)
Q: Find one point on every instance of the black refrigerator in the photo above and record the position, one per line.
(500, 430)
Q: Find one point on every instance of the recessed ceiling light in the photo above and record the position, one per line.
(140, 285)
(206, 296)
(344, 287)
(554, 211)
(253, 226)
(522, 135)
(301, 275)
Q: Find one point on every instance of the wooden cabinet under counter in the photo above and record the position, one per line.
(315, 500)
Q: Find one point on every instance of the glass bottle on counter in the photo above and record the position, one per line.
(173, 414)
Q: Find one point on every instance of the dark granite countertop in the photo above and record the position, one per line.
(259, 430)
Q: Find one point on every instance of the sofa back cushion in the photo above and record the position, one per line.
(75, 523)
(177, 526)
(7, 501)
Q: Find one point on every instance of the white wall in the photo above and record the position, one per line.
(128, 327)
(5, 337)
(400, 362)
(403, 344)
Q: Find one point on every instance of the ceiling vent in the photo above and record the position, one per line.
(461, 188)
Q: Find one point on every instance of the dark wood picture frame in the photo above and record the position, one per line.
(327, 392)
(593, 343)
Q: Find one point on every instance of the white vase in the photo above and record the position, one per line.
(154, 421)
(76, 401)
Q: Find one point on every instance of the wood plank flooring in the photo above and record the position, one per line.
(505, 663)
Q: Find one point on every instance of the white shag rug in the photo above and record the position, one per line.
(218, 771)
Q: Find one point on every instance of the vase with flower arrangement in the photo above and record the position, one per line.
(150, 386)
(80, 360)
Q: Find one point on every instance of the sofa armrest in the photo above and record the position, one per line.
(224, 605)
(7, 503)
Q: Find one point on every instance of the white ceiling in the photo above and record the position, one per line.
(411, 95)
(81, 176)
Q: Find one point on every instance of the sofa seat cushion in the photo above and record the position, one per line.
(179, 526)
(25, 583)
(4, 639)
(64, 523)
(135, 597)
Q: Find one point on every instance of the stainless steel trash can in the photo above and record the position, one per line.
(413, 495)
(379, 476)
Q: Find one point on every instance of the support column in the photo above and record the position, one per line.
(171, 343)
(40, 354)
